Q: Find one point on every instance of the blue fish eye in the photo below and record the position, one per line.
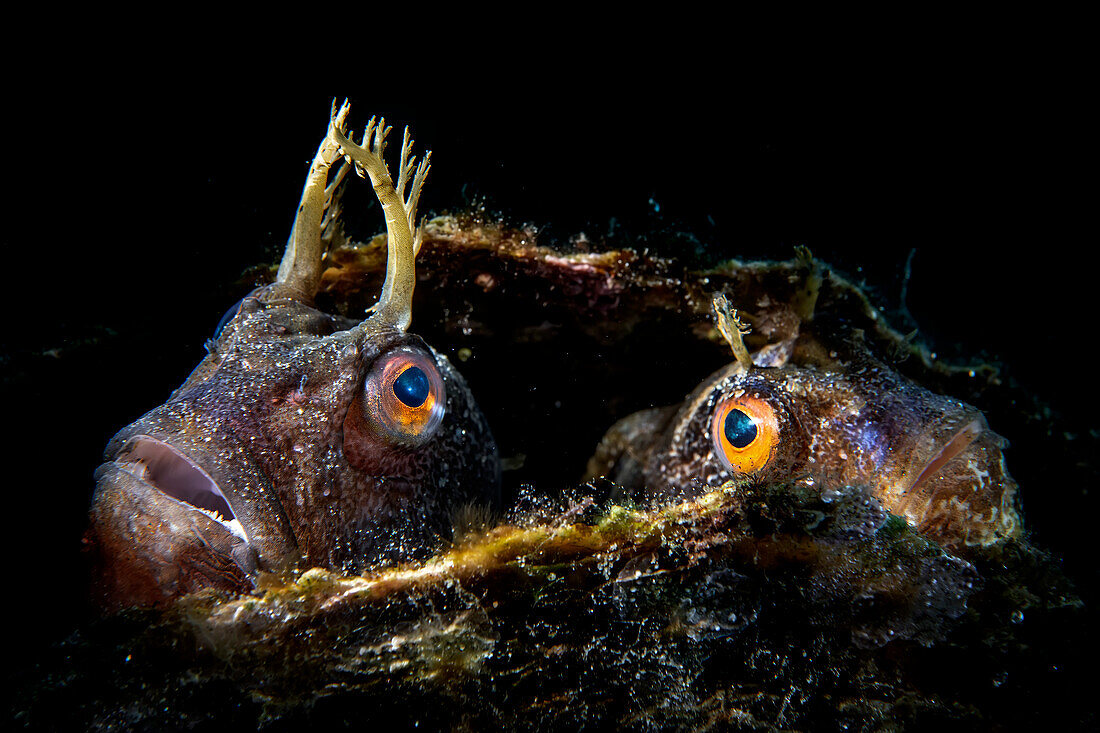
(412, 386)
(740, 429)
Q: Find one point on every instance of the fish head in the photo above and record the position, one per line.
(926, 457)
(302, 439)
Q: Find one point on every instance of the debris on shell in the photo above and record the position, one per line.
(761, 604)
(747, 607)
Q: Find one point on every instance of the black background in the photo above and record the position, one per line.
(134, 206)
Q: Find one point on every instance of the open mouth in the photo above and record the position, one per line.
(166, 469)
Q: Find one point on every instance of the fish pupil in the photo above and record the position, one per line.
(412, 386)
(740, 429)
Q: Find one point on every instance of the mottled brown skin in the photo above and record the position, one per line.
(856, 423)
(264, 421)
(264, 415)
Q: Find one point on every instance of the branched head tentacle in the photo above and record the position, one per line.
(419, 171)
(332, 231)
(394, 307)
(300, 268)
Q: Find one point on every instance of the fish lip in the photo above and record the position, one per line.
(956, 446)
(211, 443)
(963, 494)
(159, 466)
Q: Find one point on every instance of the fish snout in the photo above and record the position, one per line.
(150, 547)
(957, 487)
(173, 514)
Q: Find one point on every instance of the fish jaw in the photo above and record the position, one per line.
(150, 548)
(957, 487)
(173, 514)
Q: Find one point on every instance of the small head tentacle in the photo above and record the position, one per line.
(731, 329)
(805, 301)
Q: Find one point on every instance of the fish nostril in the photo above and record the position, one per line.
(169, 471)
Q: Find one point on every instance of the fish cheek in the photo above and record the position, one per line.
(364, 449)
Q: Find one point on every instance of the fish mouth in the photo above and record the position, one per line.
(962, 492)
(176, 512)
(162, 527)
(952, 449)
(162, 467)
(183, 505)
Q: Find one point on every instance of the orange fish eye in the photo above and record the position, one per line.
(404, 396)
(745, 432)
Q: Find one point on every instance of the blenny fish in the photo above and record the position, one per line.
(302, 438)
(926, 457)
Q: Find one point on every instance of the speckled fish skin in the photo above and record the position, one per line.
(856, 424)
(264, 416)
(280, 449)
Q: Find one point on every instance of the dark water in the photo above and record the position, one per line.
(128, 254)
